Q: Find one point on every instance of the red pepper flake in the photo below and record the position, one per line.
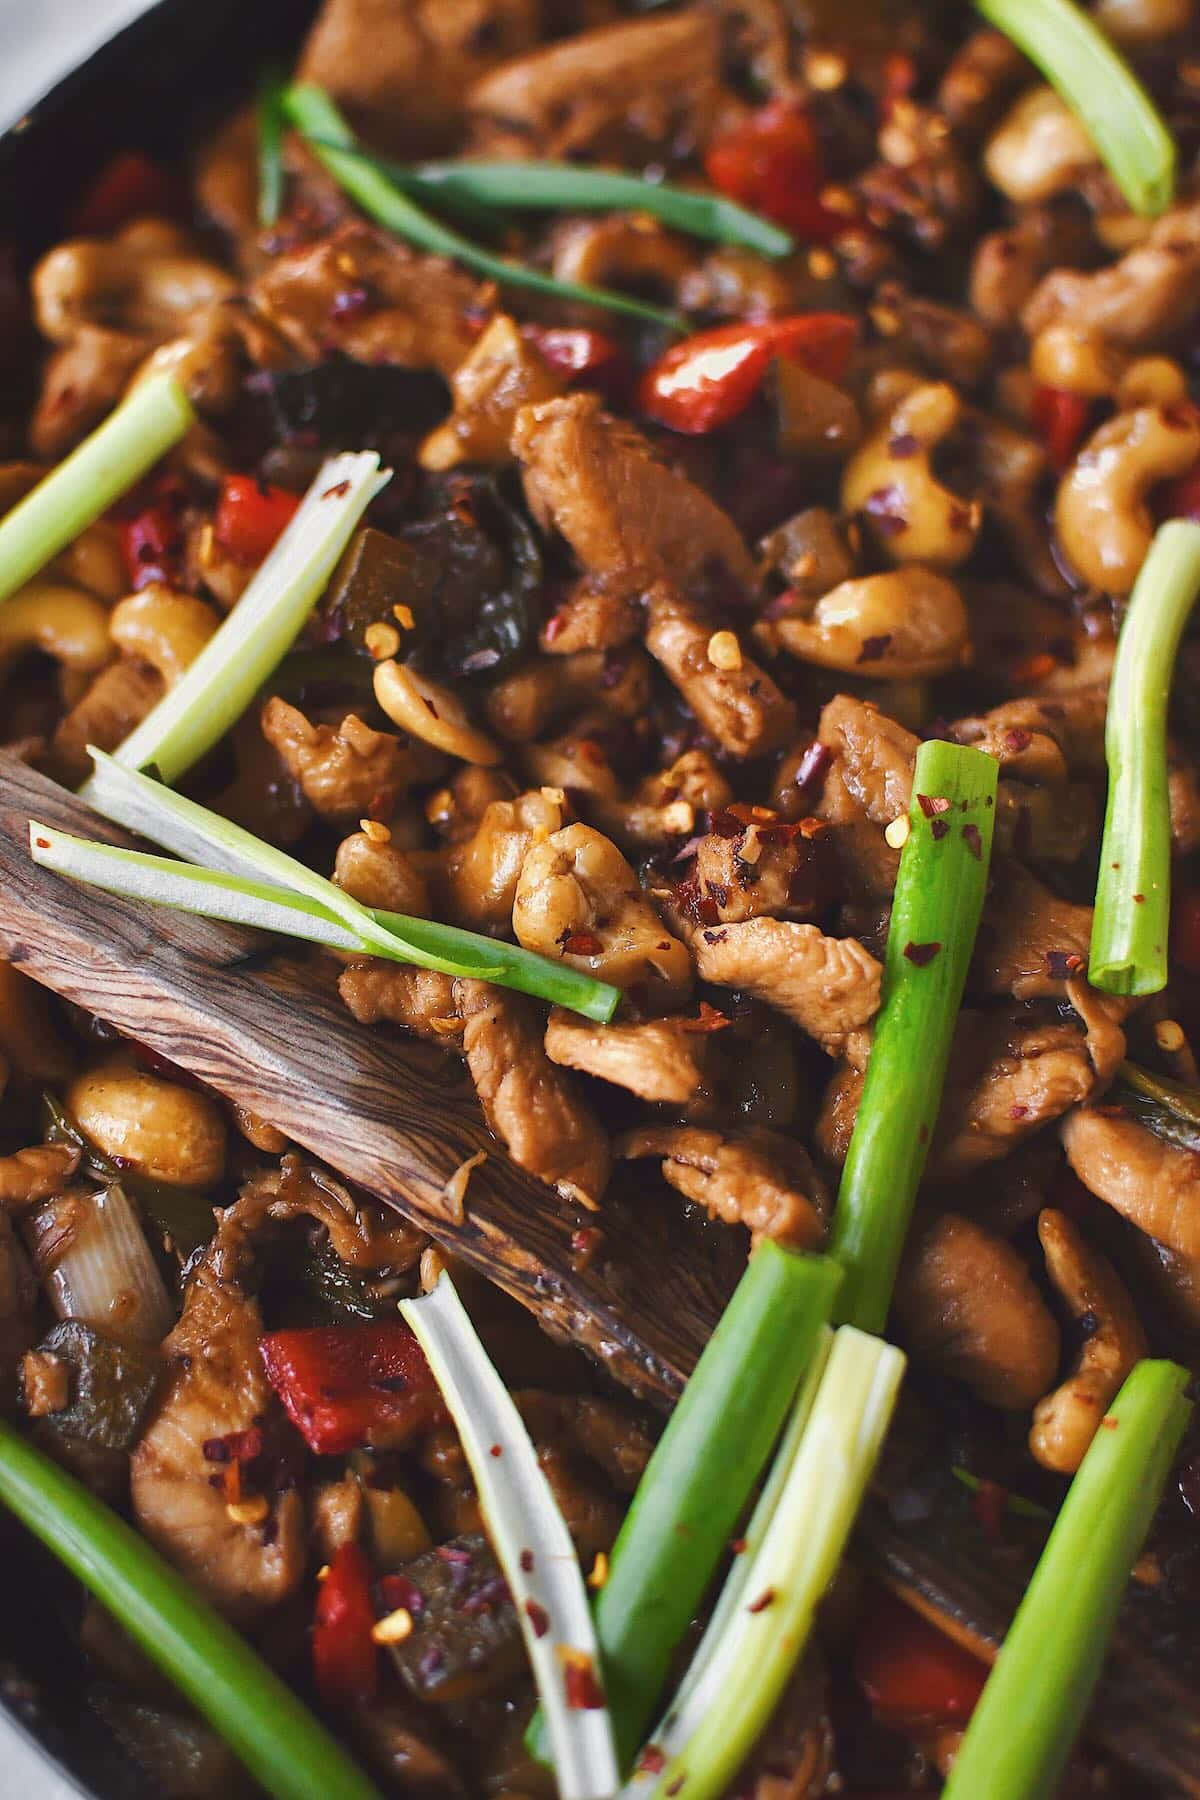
(42, 843)
(526, 1561)
(652, 1761)
(1017, 739)
(921, 954)
(235, 1446)
(554, 627)
(938, 829)
(903, 445)
(973, 841)
(739, 1546)
(1139, 899)
(709, 1020)
(676, 1785)
(1018, 1112)
(1061, 964)
(580, 943)
(874, 647)
(496, 1450)
(1109, 1423)
(349, 303)
(396, 1591)
(715, 937)
(335, 493)
(814, 765)
(584, 1693)
(765, 1599)
(933, 804)
(450, 1553)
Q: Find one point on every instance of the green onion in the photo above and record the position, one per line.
(1026, 1721)
(724, 1712)
(1133, 894)
(1100, 88)
(935, 916)
(1183, 1103)
(217, 687)
(531, 1542)
(278, 1739)
(1014, 1503)
(270, 151)
(110, 460)
(566, 187)
(314, 114)
(703, 1470)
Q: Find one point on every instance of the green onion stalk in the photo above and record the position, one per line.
(312, 112)
(1132, 920)
(1025, 1724)
(277, 1737)
(1101, 89)
(936, 909)
(270, 151)
(150, 420)
(698, 1481)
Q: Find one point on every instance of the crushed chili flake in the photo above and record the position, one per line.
(676, 1785)
(921, 954)
(652, 1761)
(874, 647)
(1139, 899)
(584, 1693)
(399, 1593)
(886, 508)
(973, 841)
(526, 1560)
(335, 493)
(235, 1446)
(709, 1020)
(814, 765)
(1061, 964)
(765, 1599)
(1018, 1112)
(715, 937)
(933, 804)
(580, 943)
(496, 1450)
(738, 1546)
(450, 1553)
(1017, 739)
(938, 829)
(42, 843)
(903, 445)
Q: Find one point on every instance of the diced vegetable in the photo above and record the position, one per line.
(772, 163)
(532, 1543)
(150, 419)
(344, 1386)
(345, 1656)
(251, 517)
(1100, 88)
(912, 1673)
(584, 358)
(710, 378)
(152, 544)
(465, 1637)
(277, 1737)
(99, 1267)
(1133, 892)
(935, 916)
(112, 1387)
(1024, 1726)
(1060, 419)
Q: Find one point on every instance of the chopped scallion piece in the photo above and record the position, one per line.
(1133, 894)
(277, 1737)
(270, 151)
(531, 1542)
(217, 687)
(725, 1710)
(703, 1470)
(110, 460)
(1100, 88)
(568, 187)
(313, 113)
(1025, 1724)
(935, 916)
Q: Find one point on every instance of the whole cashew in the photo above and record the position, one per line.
(1066, 1421)
(377, 873)
(94, 561)
(1038, 149)
(63, 622)
(621, 251)
(155, 1127)
(1102, 515)
(482, 872)
(891, 481)
(905, 623)
(501, 373)
(1079, 362)
(163, 628)
(140, 282)
(428, 711)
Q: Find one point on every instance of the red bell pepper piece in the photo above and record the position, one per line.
(152, 545)
(575, 352)
(127, 187)
(345, 1656)
(251, 516)
(1180, 499)
(345, 1386)
(1185, 928)
(772, 163)
(1061, 420)
(912, 1673)
(710, 378)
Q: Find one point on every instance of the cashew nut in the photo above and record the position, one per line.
(482, 871)
(428, 711)
(891, 481)
(1102, 515)
(578, 899)
(1038, 149)
(154, 1127)
(377, 873)
(500, 374)
(905, 623)
(94, 561)
(1077, 362)
(1066, 1421)
(144, 281)
(62, 622)
(622, 250)
(163, 628)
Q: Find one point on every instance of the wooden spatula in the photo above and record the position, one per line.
(261, 1023)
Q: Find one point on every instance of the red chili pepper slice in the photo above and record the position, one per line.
(251, 516)
(772, 163)
(1061, 419)
(911, 1672)
(1180, 499)
(345, 1657)
(152, 545)
(710, 378)
(128, 187)
(345, 1386)
(1185, 928)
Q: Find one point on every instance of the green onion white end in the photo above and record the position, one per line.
(152, 418)
(530, 1537)
(216, 689)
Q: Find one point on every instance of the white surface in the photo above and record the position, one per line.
(39, 41)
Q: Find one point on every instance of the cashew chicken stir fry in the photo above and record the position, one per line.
(628, 665)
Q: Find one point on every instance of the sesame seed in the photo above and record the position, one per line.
(394, 1629)
(1168, 1035)
(896, 834)
(382, 640)
(375, 830)
(724, 651)
(403, 615)
(249, 1512)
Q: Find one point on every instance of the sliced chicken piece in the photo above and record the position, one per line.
(370, 297)
(657, 1059)
(867, 784)
(738, 703)
(1066, 1421)
(216, 1387)
(827, 986)
(763, 868)
(500, 375)
(402, 69)
(1143, 302)
(1150, 1181)
(529, 1104)
(967, 1304)
(420, 1000)
(35, 1174)
(1031, 942)
(118, 699)
(628, 86)
(629, 519)
(756, 1178)
(345, 771)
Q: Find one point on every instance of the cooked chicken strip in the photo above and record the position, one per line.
(653, 1058)
(759, 1179)
(828, 986)
(1152, 1183)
